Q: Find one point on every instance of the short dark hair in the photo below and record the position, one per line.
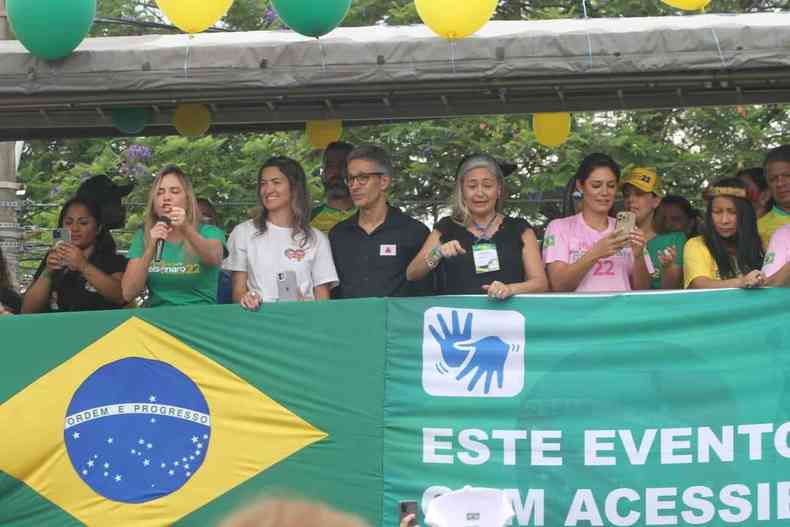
(780, 153)
(756, 174)
(375, 154)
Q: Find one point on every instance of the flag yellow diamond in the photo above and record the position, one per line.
(249, 431)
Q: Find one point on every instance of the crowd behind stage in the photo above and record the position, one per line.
(357, 245)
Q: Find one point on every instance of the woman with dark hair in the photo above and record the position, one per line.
(478, 249)
(278, 248)
(185, 268)
(83, 273)
(729, 253)
(584, 252)
(10, 301)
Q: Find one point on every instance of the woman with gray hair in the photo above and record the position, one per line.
(478, 249)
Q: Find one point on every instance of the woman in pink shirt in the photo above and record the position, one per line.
(583, 253)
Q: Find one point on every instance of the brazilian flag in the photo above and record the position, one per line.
(181, 415)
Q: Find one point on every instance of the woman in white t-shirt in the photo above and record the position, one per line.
(279, 242)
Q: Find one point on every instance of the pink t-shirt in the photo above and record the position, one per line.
(568, 239)
(778, 253)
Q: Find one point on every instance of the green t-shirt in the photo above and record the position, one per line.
(659, 243)
(180, 279)
(325, 217)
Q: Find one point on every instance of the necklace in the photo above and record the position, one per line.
(484, 230)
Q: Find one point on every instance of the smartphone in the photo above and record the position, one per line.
(626, 221)
(287, 288)
(406, 508)
(61, 235)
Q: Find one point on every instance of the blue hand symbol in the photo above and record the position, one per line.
(489, 359)
(451, 353)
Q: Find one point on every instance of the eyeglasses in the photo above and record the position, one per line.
(363, 178)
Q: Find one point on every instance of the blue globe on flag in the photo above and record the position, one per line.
(137, 430)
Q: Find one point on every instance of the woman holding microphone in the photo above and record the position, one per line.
(173, 254)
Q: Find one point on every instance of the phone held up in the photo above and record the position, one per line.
(406, 508)
(287, 288)
(625, 223)
(61, 235)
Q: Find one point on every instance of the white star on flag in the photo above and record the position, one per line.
(141, 441)
(152, 399)
(75, 435)
(105, 474)
(171, 472)
(90, 462)
(205, 436)
(200, 445)
(146, 462)
(162, 465)
(118, 477)
(149, 445)
(153, 419)
(110, 440)
(84, 472)
(194, 439)
(106, 465)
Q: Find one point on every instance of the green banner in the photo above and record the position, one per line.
(644, 409)
(653, 409)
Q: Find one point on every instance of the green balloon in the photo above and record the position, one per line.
(131, 121)
(51, 29)
(313, 18)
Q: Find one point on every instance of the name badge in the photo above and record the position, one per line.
(388, 250)
(486, 258)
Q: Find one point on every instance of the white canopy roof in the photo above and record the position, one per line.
(276, 80)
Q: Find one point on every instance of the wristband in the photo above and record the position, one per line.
(433, 258)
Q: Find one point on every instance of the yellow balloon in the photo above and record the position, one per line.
(321, 133)
(192, 120)
(687, 5)
(551, 129)
(194, 16)
(454, 19)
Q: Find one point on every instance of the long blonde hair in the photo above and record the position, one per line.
(461, 212)
(191, 201)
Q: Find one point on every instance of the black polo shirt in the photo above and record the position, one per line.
(374, 265)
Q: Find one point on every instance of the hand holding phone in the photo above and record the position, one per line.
(287, 287)
(408, 513)
(625, 223)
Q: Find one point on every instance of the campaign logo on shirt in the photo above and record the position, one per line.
(769, 258)
(473, 353)
(295, 255)
(388, 250)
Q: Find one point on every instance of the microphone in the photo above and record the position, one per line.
(160, 244)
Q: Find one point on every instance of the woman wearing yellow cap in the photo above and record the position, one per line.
(642, 195)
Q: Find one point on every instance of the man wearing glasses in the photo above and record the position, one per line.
(373, 248)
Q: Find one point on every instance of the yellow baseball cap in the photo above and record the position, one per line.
(644, 179)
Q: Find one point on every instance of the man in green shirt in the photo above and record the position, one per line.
(337, 205)
(642, 193)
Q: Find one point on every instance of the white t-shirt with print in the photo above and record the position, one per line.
(470, 507)
(262, 256)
